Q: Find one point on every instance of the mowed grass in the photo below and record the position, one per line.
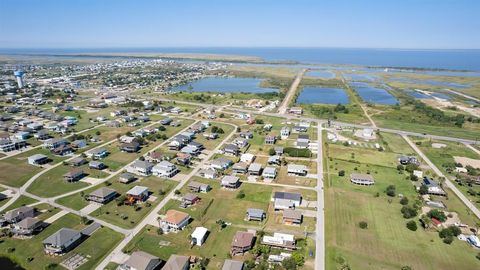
(21, 201)
(127, 216)
(386, 243)
(19, 171)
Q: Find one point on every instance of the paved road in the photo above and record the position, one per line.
(291, 92)
(448, 183)
(154, 213)
(320, 226)
(472, 148)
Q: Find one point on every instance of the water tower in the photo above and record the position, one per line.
(19, 75)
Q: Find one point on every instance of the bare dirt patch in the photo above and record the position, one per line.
(475, 163)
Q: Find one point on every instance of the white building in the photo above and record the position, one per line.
(165, 169)
(199, 236)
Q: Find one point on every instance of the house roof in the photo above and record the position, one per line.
(270, 170)
(255, 212)
(17, 211)
(240, 166)
(142, 164)
(28, 222)
(176, 262)
(137, 190)
(73, 173)
(232, 265)
(175, 217)
(190, 197)
(140, 260)
(103, 192)
(255, 167)
(199, 232)
(292, 214)
(242, 239)
(37, 157)
(61, 237)
(230, 179)
(287, 196)
(127, 176)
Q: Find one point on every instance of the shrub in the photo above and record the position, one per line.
(241, 194)
(271, 152)
(363, 225)
(404, 201)
(448, 239)
(341, 173)
(412, 225)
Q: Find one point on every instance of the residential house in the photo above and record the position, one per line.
(274, 160)
(210, 136)
(221, 164)
(240, 167)
(189, 199)
(183, 159)
(208, 173)
(174, 221)
(230, 182)
(62, 241)
(280, 240)
(177, 262)
(241, 243)
(362, 179)
(166, 121)
(127, 139)
(284, 132)
(41, 135)
(137, 194)
(269, 172)
(255, 214)
(96, 165)
(231, 149)
(141, 167)
(97, 153)
(28, 226)
(62, 150)
(18, 214)
(199, 236)
(140, 260)
(79, 144)
(246, 134)
(155, 157)
(292, 217)
(198, 187)
(296, 110)
(286, 200)
(278, 150)
(165, 169)
(433, 187)
(247, 158)
(405, 160)
(7, 145)
(38, 159)
(73, 175)
(255, 169)
(298, 170)
(270, 139)
(102, 195)
(232, 265)
(131, 147)
(126, 178)
(78, 161)
(54, 143)
(240, 142)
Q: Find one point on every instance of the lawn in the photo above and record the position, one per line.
(127, 216)
(21, 201)
(19, 171)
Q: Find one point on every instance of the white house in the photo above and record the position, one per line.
(141, 167)
(199, 236)
(295, 169)
(284, 132)
(269, 172)
(247, 158)
(165, 169)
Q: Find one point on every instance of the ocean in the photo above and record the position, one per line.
(429, 59)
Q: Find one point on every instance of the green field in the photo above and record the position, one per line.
(386, 243)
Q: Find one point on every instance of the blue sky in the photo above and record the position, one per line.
(443, 24)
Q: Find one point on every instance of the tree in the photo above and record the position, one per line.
(341, 173)
(241, 194)
(412, 225)
(404, 201)
(400, 167)
(363, 224)
(298, 258)
(390, 190)
(437, 214)
(289, 264)
(423, 190)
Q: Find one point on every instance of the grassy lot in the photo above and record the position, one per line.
(396, 144)
(211, 144)
(21, 201)
(386, 243)
(127, 216)
(42, 185)
(19, 171)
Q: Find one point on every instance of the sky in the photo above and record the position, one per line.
(412, 24)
